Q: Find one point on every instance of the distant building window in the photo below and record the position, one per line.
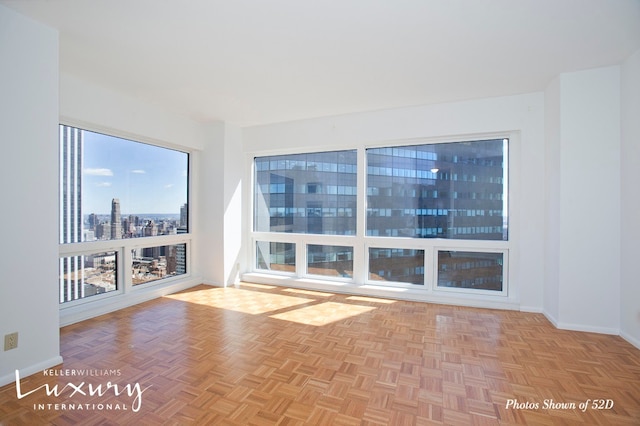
(314, 188)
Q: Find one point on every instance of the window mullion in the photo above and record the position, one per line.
(124, 269)
(359, 261)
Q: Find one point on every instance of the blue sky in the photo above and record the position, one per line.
(146, 178)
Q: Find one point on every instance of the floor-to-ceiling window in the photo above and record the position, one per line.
(430, 216)
(123, 215)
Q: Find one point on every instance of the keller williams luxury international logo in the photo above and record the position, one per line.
(78, 388)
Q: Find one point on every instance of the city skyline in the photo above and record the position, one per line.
(146, 179)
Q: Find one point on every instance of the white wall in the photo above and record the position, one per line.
(583, 203)
(28, 133)
(551, 282)
(86, 105)
(523, 113)
(210, 217)
(220, 170)
(232, 204)
(35, 98)
(630, 223)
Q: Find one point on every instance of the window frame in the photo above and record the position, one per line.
(360, 282)
(126, 293)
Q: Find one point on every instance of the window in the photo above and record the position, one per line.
(155, 263)
(306, 193)
(87, 275)
(470, 270)
(396, 265)
(112, 191)
(446, 190)
(332, 261)
(276, 256)
(113, 188)
(429, 217)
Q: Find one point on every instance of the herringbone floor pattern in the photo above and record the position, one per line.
(261, 355)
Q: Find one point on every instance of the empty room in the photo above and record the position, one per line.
(302, 212)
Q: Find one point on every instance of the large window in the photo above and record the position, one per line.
(429, 217)
(448, 190)
(113, 190)
(306, 193)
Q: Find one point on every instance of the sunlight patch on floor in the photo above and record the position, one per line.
(259, 286)
(237, 299)
(323, 313)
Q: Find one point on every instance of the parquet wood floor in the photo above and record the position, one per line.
(262, 355)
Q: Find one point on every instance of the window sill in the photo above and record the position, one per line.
(389, 292)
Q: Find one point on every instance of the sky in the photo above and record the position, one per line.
(146, 178)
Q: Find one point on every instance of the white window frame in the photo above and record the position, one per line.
(360, 283)
(126, 294)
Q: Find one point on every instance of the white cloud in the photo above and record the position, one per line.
(138, 172)
(170, 185)
(103, 184)
(98, 172)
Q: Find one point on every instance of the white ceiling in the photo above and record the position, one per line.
(254, 62)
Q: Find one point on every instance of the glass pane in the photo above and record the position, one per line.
(306, 193)
(447, 190)
(276, 256)
(155, 263)
(113, 188)
(334, 261)
(87, 275)
(473, 270)
(398, 265)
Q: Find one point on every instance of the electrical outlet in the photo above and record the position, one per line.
(11, 341)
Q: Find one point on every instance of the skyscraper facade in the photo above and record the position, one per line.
(71, 165)
(116, 225)
(184, 218)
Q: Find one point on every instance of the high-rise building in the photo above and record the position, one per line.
(116, 226)
(181, 249)
(93, 221)
(71, 165)
(150, 229)
(184, 218)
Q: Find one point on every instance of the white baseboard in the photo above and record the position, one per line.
(532, 309)
(580, 327)
(32, 369)
(588, 328)
(551, 318)
(213, 283)
(629, 338)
